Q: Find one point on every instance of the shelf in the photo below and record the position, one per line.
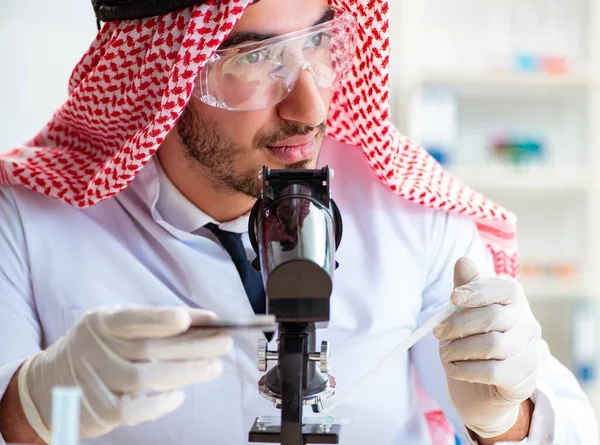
(536, 289)
(495, 83)
(529, 180)
(497, 78)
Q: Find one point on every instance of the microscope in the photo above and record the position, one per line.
(295, 229)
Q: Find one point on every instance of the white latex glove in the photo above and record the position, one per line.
(130, 364)
(491, 350)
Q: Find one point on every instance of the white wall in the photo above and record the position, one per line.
(41, 41)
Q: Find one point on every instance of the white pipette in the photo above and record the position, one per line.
(402, 347)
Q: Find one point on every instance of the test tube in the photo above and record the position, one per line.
(65, 415)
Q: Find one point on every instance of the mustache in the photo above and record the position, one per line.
(290, 130)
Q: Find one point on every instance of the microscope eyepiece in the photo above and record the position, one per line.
(295, 229)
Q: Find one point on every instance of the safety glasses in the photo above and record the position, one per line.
(261, 74)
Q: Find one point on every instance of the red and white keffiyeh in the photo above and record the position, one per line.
(132, 85)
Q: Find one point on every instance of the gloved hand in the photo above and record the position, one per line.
(130, 364)
(491, 350)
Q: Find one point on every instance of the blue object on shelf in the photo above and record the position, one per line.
(439, 154)
(527, 63)
(584, 342)
(586, 373)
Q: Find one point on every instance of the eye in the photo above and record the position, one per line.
(255, 57)
(316, 40)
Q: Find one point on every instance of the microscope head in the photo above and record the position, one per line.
(295, 229)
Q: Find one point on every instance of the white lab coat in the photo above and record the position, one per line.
(396, 262)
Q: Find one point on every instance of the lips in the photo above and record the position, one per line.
(295, 141)
(296, 149)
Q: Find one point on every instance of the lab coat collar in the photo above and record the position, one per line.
(171, 209)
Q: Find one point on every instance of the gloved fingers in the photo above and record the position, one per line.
(141, 322)
(517, 391)
(485, 291)
(489, 346)
(189, 346)
(512, 375)
(200, 316)
(465, 271)
(193, 344)
(162, 376)
(485, 372)
(481, 320)
(148, 408)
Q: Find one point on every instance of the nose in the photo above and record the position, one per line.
(305, 104)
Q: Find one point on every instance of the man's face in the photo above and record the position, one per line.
(230, 147)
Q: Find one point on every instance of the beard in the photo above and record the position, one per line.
(217, 156)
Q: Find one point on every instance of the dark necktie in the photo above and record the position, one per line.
(251, 278)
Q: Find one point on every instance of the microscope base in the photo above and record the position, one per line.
(310, 433)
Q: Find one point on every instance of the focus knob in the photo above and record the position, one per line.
(262, 355)
(324, 358)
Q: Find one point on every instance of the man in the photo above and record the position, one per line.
(111, 241)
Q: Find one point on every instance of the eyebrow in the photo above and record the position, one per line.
(240, 38)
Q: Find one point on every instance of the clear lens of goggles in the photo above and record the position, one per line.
(260, 75)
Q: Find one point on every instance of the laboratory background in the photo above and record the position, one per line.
(504, 93)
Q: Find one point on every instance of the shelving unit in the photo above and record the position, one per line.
(521, 183)
(558, 202)
(542, 290)
(493, 78)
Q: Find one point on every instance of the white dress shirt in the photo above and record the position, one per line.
(139, 247)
